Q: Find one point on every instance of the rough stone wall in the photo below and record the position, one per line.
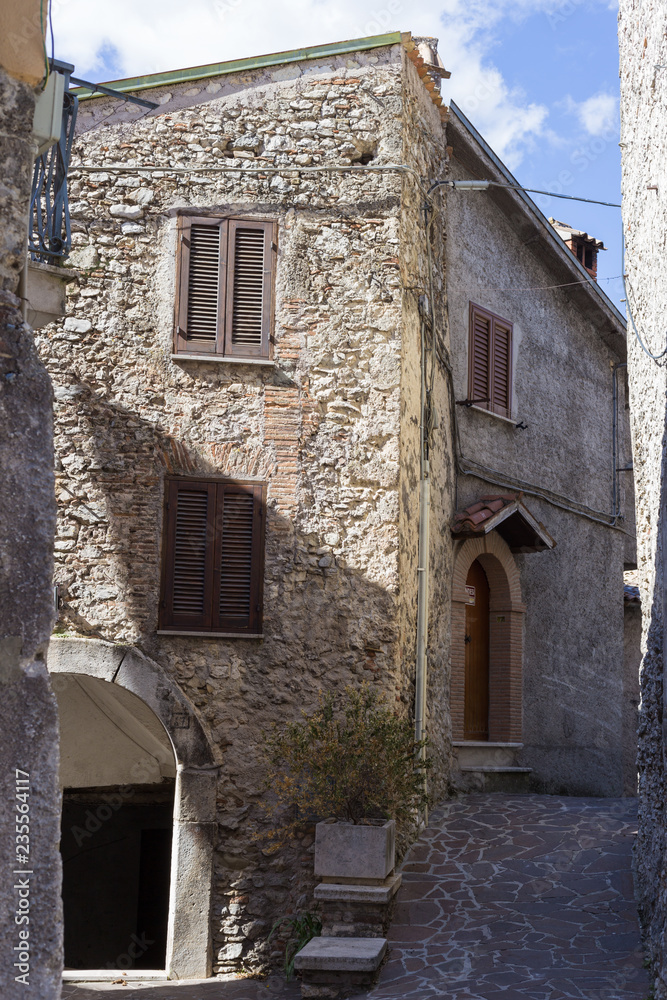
(323, 428)
(424, 150)
(28, 728)
(643, 54)
(562, 390)
(632, 666)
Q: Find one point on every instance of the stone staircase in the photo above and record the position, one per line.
(491, 767)
(356, 913)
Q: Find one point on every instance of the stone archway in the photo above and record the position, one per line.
(195, 827)
(506, 611)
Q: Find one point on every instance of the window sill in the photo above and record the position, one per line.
(214, 635)
(496, 416)
(221, 359)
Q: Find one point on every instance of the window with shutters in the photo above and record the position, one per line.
(490, 361)
(224, 304)
(213, 557)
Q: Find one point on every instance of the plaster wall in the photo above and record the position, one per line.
(28, 724)
(643, 52)
(22, 32)
(562, 390)
(327, 428)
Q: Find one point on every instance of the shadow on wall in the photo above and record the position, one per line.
(651, 846)
(326, 625)
(114, 508)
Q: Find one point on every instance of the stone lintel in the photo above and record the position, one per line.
(378, 894)
(328, 954)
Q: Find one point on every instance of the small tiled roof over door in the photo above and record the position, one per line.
(508, 515)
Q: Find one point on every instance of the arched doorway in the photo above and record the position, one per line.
(476, 687)
(140, 778)
(117, 775)
(486, 675)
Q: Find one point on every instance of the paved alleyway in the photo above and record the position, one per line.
(523, 897)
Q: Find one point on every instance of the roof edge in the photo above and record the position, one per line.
(552, 237)
(187, 75)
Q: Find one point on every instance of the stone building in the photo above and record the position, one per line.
(643, 56)
(281, 338)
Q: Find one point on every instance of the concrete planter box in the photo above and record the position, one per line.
(355, 851)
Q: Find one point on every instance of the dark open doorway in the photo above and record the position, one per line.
(116, 850)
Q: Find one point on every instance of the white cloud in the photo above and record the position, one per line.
(132, 37)
(598, 114)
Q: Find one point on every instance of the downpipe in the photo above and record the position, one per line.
(422, 607)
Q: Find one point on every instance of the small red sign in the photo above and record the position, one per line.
(470, 595)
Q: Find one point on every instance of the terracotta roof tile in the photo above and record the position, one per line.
(474, 516)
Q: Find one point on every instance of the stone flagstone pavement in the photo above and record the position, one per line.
(504, 897)
(519, 897)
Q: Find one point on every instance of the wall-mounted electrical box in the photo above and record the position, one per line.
(48, 121)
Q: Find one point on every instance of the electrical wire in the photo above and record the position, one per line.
(47, 69)
(478, 471)
(401, 168)
(53, 44)
(518, 187)
(536, 288)
(626, 285)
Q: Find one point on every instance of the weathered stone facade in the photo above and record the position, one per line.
(332, 426)
(28, 730)
(643, 54)
(503, 255)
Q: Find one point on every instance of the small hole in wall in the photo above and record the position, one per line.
(366, 158)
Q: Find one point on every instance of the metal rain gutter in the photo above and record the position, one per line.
(240, 65)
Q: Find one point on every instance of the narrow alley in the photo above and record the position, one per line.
(515, 897)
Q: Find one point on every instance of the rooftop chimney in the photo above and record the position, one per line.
(428, 50)
(584, 247)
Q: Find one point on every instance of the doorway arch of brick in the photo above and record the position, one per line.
(506, 615)
(195, 826)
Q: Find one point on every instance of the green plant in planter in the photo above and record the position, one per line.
(353, 758)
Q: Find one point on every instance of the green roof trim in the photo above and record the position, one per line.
(133, 83)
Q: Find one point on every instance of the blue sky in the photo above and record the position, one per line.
(538, 78)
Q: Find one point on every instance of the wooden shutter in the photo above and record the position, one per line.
(188, 555)
(213, 557)
(501, 368)
(237, 601)
(479, 361)
(490, 361)
(250, 280)
(200, 307)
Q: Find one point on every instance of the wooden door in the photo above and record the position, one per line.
(476, 697)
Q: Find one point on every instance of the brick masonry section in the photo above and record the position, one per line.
(506, 637)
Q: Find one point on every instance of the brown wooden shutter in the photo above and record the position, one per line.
(501, 368)
(490, 361)
(251, 257)
(201, 296)
(213, 557)
(239, 558)
(479, 361)
(189, 554)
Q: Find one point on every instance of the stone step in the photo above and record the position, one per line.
(331, 892)
(329, 954)
(484, 769)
